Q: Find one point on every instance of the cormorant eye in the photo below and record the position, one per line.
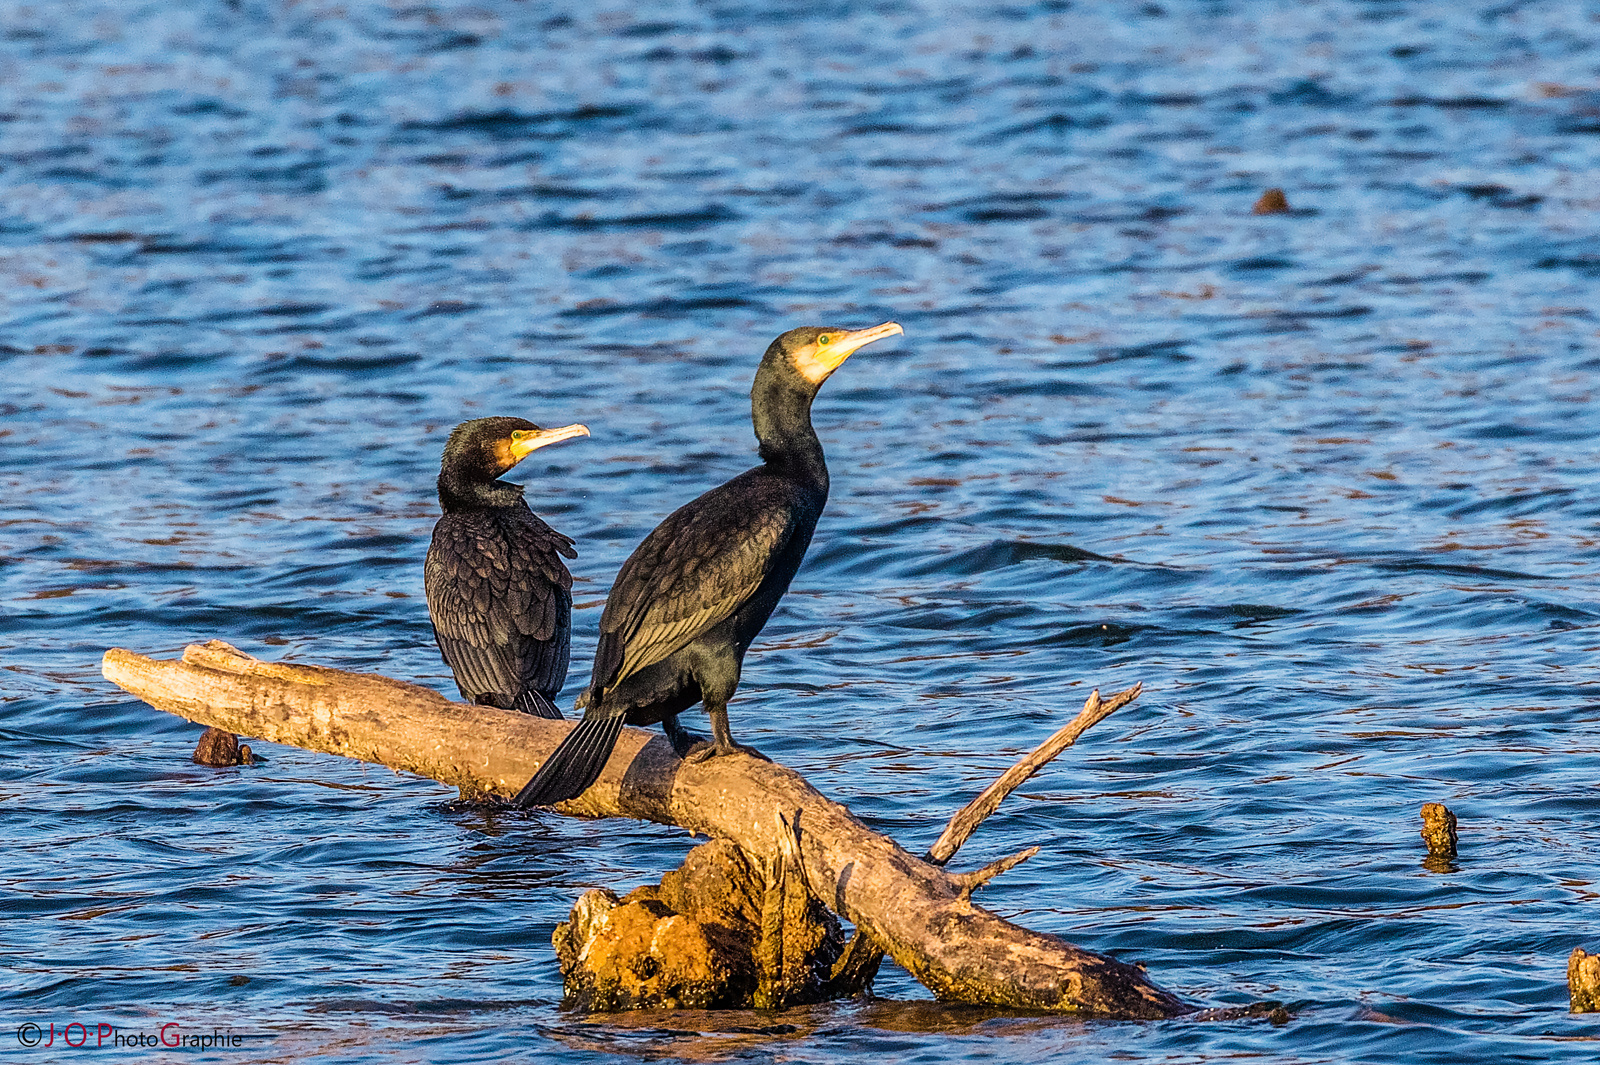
(825, 338)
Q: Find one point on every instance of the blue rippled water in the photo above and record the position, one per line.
(1325, 481)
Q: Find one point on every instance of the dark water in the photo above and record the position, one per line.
(257, 258)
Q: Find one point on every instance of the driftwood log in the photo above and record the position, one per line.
(912, 908)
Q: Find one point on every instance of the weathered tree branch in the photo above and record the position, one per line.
(922, 914)
(853, 973)
(966, 820)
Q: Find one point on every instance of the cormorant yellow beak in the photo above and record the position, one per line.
(829, 351)
(525, 442)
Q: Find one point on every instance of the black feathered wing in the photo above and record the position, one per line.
(692, 573)
(500, 599)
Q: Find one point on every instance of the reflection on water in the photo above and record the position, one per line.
(1323, 480)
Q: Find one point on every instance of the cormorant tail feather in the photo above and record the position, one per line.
(531, 702)
(574, 765)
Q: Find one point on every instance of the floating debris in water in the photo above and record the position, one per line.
(1273, 201)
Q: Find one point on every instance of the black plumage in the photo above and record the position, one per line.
(499, 594)
(691, 598)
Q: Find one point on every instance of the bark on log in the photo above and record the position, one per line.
(922, 914)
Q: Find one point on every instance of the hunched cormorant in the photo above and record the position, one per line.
(694, 594)
(499, 596)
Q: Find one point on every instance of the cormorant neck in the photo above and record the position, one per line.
(780, 410)
(458, 493)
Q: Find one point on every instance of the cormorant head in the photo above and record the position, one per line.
(787, 380)
(483, 449)
(814, 352)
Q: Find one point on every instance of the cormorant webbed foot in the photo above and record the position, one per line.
(705, 751)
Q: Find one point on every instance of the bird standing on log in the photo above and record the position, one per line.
(694, 594)
(499, 596)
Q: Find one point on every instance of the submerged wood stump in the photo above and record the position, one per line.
(1439, 830)
(1583, 981)
(1272, 201)
(220, 749)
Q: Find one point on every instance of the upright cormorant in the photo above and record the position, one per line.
(499, 596)
(692, 596)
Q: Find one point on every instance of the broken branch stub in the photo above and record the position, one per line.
(921, 913)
